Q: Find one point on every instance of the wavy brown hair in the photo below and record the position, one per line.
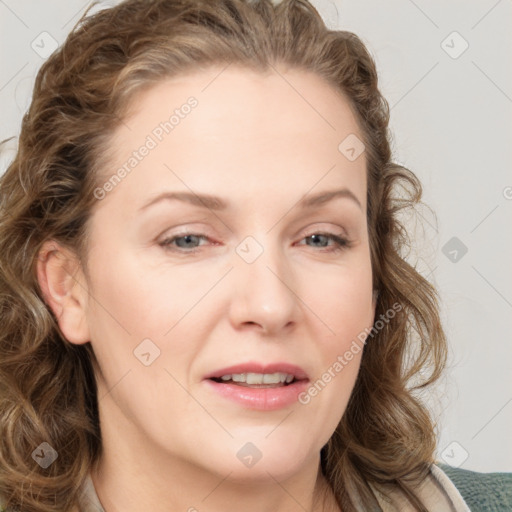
(47, 385)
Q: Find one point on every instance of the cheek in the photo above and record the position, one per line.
(137, 310)
(343, 301)
(130, 300)
(121, 314)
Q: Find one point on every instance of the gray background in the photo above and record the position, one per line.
(451, 122)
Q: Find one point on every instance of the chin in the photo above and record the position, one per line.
(259, 461)
(273, 469)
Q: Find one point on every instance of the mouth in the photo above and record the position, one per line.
(257, 380)
(259, 375)
(258, 386)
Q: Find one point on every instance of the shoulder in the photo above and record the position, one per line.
(436, 492)
(449, 489)
(481, 491)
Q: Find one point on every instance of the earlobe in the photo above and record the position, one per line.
(64, 290)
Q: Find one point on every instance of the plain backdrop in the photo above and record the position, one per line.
(445, 70)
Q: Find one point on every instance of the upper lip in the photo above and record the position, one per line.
(254, 367)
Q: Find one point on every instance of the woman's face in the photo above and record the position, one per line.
(182, 289)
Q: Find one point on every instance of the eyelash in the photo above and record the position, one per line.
(341, 243)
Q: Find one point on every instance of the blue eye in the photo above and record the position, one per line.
(188, 243)
(187, 238)
(340, 243)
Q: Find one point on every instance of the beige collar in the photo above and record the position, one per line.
(437, 493)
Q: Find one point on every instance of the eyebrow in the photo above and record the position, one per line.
(217, 203)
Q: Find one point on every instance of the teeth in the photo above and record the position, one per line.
(268, 378)
(259, 378)
(256, 378)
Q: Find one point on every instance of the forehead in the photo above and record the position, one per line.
(249, 97)
(249, 130)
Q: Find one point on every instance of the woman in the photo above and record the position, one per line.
(204, 295)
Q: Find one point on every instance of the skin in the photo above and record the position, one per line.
(169, 442)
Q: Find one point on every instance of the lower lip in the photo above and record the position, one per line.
(262, 399)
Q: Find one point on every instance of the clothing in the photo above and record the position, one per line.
(447, 489)
(438, 493)
(483, 492)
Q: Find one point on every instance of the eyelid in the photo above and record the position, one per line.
(339, 241)
(310, 230)
(334, 230)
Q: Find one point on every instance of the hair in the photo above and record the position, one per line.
(48, 393)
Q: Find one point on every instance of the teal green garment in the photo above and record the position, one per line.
(483, 492)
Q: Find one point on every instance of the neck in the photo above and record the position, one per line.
(130, 482)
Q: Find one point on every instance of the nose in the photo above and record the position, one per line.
(263, 294)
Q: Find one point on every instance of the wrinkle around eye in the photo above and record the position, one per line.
(163, 225)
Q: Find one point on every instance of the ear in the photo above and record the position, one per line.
(64, 289)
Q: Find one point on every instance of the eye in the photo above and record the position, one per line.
(189, 242)
(340, 243)
(183, 242)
